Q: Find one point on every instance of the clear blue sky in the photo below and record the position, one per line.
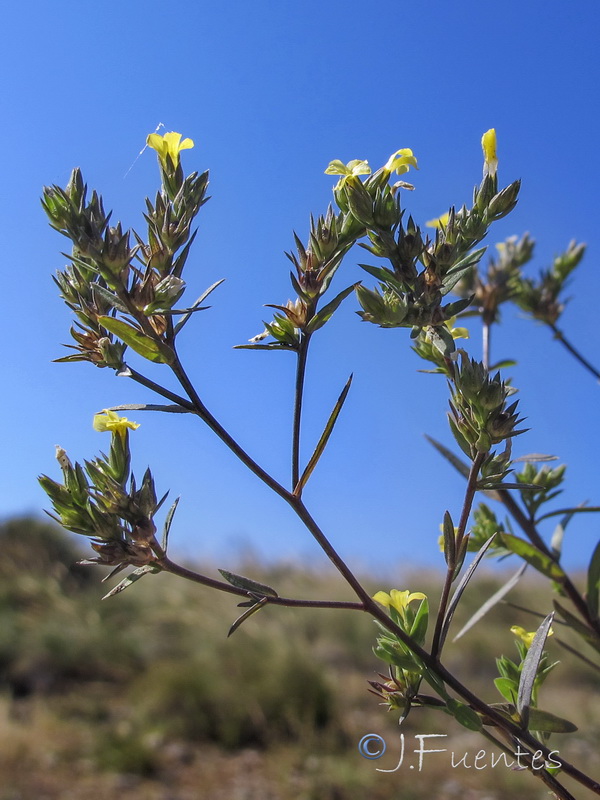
(271, 92)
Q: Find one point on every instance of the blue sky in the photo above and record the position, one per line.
(271, 92)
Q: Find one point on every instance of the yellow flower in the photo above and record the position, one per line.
(349, 170)
(526, 636)
(168, 145)
(401, 161)
(457, 333)
(398, 600)
(488, 143)
(110, 421)
(440, 222)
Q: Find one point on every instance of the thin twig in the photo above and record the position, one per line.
(558, 334)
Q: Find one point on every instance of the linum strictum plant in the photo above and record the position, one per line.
(128, 304)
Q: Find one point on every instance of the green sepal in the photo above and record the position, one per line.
(393, 653)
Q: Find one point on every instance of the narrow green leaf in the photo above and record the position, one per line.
(195, 306)
(464, 715)
(169, 409)
(456, 462)
(535, 457)
(240, 582)
(381, 273)
(168, 521)
(530, 668)
(528, 552)
(493, 600)
(507, 688)
(418, 629)
(449, 539)
(270, 346)
(593, 582)
(559, 531)
(109, 297)
(143, 345)
(577, 510)
(545, 722)
(132, 578)
(322, 443)
(243, 617)
(460, 589)
(325, 314)
(504, 364)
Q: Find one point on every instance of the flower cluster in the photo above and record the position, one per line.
(102, 500)
(123, 295)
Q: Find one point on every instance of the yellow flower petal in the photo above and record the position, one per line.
(168, 145)
(398, 599)
(488, 144)
(110, 421)
(440, 222)
(526, 636)
(401, 161)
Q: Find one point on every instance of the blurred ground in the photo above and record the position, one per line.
(143, 696)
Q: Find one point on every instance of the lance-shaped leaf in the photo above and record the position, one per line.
(325, 314)
(456, 462)
(593, 582)
(142, 344)
(449, 539)
(559, 532)
(493, 600)
(464, 715)
(173, 408)
(460, 589)
(322, 443)
(249, 585)
(528, 552)
(132, 578)
(577, 510)
(195, 306)
(168, 522)
(243, 617)
(545, 722)
(530, 668)
(109, 297)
